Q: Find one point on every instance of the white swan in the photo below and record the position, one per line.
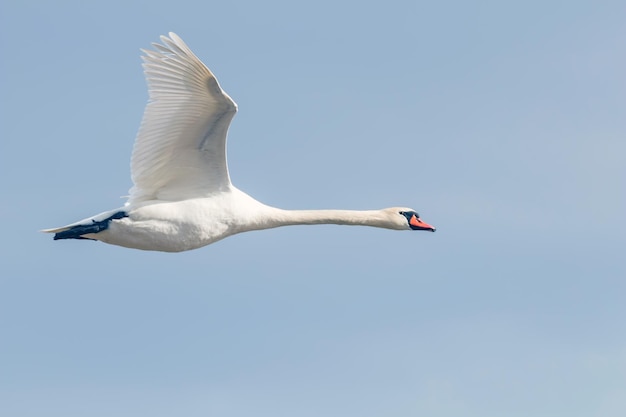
(182, 196)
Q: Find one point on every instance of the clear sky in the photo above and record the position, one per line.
(502, 123)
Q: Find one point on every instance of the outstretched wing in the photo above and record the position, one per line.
(180, 150)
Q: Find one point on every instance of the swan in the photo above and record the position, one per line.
(182, 197)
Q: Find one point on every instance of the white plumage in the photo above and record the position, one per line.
(182, 197)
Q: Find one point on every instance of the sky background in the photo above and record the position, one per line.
(502, 123)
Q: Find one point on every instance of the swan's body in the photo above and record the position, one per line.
(182, 196)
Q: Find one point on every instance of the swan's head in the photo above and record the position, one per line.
(410, 220)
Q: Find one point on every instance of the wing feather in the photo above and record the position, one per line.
(180, 149)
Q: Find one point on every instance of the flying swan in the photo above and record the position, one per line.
(182, 197)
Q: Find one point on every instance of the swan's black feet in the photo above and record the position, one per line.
(77, 232)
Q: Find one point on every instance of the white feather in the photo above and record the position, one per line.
(180, 150)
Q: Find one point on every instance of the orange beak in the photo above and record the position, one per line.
(417, 224)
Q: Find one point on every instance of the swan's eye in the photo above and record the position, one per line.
(401, 212)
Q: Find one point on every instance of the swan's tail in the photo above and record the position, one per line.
(91, 225)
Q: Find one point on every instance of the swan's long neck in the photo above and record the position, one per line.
(277, 217)
(254, 215)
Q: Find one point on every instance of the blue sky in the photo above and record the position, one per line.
(502, 123)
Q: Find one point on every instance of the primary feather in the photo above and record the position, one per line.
(180, 150)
